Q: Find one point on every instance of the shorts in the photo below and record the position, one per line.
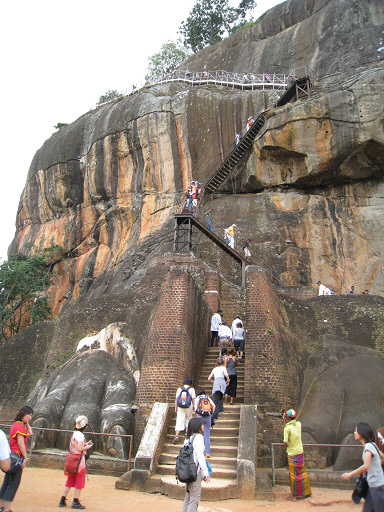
(183, 417)
(239, 345)
(76, 481)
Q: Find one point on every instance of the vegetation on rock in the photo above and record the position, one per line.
(210, 20)
(23, 284)
(109, 96)
(165, 61)
(59, 126)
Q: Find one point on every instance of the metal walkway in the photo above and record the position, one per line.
(234, 156)
(186, 219)
(182, 240)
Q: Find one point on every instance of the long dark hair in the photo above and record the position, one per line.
(194, 426)
(366, 432)
(22, 412)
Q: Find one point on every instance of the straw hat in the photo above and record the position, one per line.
(81, 421)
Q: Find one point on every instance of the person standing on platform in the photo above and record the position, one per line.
(247, 252)
(230, 235)
(208, 218)
(215, 322)
(298, 478)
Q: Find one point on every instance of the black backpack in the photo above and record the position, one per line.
(186, 469)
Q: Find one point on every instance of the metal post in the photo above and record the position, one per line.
(130, 453)
(189, 235)
(175, 237)
(273, 465)
(242, 273)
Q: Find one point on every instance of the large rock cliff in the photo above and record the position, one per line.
(309, 196)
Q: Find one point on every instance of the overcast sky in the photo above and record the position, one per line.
(58, 58)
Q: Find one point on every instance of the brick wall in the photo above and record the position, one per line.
(232, 303)
(177, 341)
(212, 290)
(270, 367)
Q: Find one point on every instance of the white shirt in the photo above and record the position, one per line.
(235, 322)
(225, 332)
(191, 391)
(323, 290)
(198, 454)
(4, 446)
(220, 372)
(215, 321)
(238, 333)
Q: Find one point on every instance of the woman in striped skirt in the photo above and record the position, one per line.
(298, 478)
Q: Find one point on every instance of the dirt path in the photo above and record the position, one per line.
(40, 491)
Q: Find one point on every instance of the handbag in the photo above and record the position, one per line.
(361, 489)
(72, 463)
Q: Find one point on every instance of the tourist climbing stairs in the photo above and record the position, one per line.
(224, 443)
(234, 156)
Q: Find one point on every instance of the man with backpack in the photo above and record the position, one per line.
(184, 404)
(204, 409)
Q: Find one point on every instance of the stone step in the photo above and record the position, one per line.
(221, 424)
(165, 469)
(216, 461)
(203, 381)
(217, 441)
(216, 447)
(231, 412)
(209, 386)
(218, 489)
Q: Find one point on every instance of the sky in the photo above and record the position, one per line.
(58, 58)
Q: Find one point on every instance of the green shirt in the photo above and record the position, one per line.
(292, 436)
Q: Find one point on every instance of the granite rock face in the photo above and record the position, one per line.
(309, 195)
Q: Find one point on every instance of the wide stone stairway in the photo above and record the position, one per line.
(224, 443)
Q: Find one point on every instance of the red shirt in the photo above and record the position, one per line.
(17, 428)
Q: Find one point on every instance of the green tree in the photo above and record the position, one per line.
(59, 126)
(170, 56)
(23, 284)
(109, 96)
(210, 20)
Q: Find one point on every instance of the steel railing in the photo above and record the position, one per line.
(100, 434)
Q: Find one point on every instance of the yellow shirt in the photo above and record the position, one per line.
(292, 436)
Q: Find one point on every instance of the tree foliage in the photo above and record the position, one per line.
(23, 284)
(109, 96)
(210, 20)
(170, 56)
(59, 126)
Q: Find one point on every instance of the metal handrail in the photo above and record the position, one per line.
(321, 445)
(130, 436)
(226, 78)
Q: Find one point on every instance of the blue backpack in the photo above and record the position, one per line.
(184, 400)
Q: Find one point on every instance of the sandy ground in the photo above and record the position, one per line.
(40, 491)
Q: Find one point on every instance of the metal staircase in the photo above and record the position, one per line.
(234, 156)
(186, 219)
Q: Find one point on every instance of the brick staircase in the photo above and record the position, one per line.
(224, 443)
